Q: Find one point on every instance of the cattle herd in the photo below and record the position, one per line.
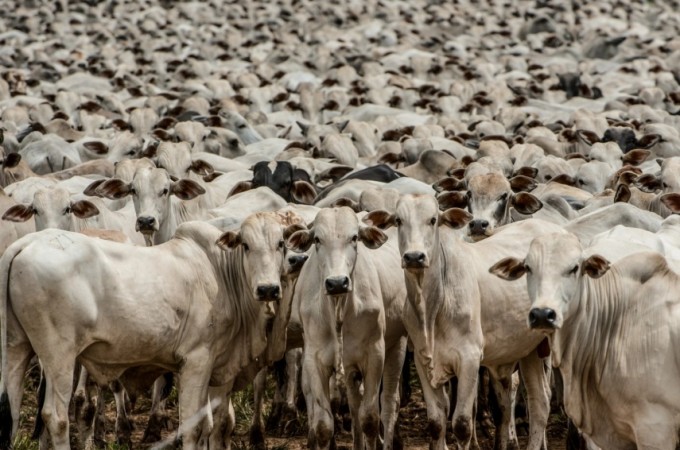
(195, 193)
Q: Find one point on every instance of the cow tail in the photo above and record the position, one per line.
(6, 420)
(39, 422)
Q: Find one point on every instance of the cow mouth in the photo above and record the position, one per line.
(148, 236)
(414, 266)
(476, 237)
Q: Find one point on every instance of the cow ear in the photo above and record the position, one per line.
(636, 157)
(211, 177)
(290, 229)
(564, 179)
(304, 128)
(91, 189)
(455, 218)
(449, 184)
(380, 219)
(648, 141)
(241, 186)
(303, 192)
(648, 182)
(452, 200)
(229, 240)
(457, 173)
(186, 189)
(372, 237)
(201, 167)
(12, 160)
(97, 147)
(526, 203)
(587, 137)
(595, 266)
(334, 173)
(576, 155)
(342, 125)
(672, 202)
(114, 189)
(18, 213)
(628, 177)
(622, 194)
(522, 183)
(509, 269)
(84, 209)
(391, 158)
(150, 150)
(300, 241)
(344, 201)
(526, 171)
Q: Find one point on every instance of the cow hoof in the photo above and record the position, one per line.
(462, 429)
(256, 437)
(153, 430)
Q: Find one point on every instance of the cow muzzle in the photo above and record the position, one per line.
(543, 319)
(478, 229)
(146, 224)
(414, 260)
(295, 263)
(268, 292)
(337, 285)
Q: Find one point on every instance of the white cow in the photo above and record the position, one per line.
(458, 316)
(350, 300)
(612, 330)
(82, 299)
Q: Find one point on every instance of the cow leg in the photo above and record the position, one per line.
(59, 375)
(315, 386)
(389, 401)
(293, 358)
(405, 382)
(501, 377)
(279, 370)
(437, 404)
(18, 357)
(533, 371)
(158, 418)
(224, 418)
(354, 379)
(257, 426)
(462, 422)
(86, 409)
(196, 421)
(123, 424)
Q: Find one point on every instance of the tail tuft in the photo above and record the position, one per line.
(5, 422)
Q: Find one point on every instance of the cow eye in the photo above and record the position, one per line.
(580, 181)
(397, 221)
(503, 197)
(317, 241)
(35, 212)
(243, 125)
(527, 268)
(67, 210)
(355, 238)
(281, 244)
(245, 247)
(433, 221)
(131, 152)
(573, 270)
(133, 191)
(165, 192)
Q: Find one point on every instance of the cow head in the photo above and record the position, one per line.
(52, 208)
(553, 267)
(418, 219)
(290, 183)
(151, 190)
(176, 159)
(336, 234)
(489, 198)
(262, 244)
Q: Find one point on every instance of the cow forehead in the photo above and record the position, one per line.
(262, 227)
(49, 197)
(488, 185)
(554, 250)
(153, 178)
(169, 152)
(338, 222)
(417, 207)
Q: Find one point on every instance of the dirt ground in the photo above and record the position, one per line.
(413, 420)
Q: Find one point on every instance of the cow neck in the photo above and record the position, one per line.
(339, 304)
(245, 339)
(449, 288)
(581, 347)
(177, 214)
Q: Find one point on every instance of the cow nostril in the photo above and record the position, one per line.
(533, 316)
(345, 283)
(337, 285)
(551, 315)
(484, 224)
(268, 292)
